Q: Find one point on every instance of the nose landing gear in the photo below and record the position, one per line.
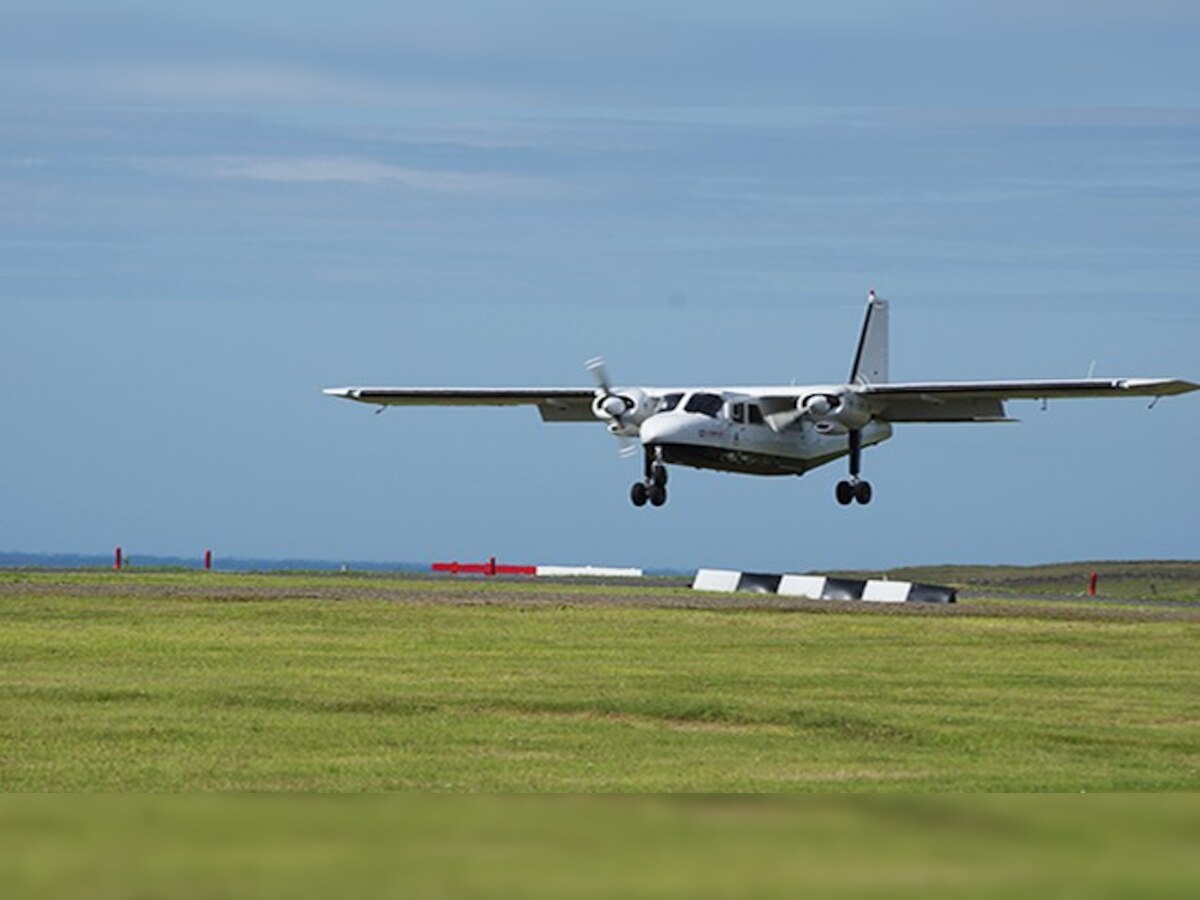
(653, 487)
(855, 489)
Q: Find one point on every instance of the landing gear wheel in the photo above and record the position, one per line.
(658, 495)
(845, 493)
(862, 492)
(854, 489)
(658, 475)
(638, 494)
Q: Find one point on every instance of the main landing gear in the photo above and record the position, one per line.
(654, 486)
(855, 489)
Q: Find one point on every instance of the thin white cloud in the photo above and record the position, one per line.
(352, 170)
(237, 83)
(24, 162)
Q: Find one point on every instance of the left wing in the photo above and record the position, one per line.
(983, 401)
(554, 404)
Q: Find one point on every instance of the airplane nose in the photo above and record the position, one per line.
(665, 428)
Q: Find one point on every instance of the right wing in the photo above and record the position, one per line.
(983, 401)
(554, 404)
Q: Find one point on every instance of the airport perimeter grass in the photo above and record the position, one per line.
(1139, 579)
(286, 846)
(165, 683)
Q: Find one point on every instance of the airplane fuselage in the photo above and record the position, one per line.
(734, 438)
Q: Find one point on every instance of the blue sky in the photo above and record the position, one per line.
(211, 215)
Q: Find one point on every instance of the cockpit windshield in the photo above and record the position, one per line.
(669, 402)
(708, 404)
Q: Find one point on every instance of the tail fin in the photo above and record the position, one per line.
(871, 359)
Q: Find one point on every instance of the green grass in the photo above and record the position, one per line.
(190, 682)
(1144, 580)
(534, 847)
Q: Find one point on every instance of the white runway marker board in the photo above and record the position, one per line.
(821, 587)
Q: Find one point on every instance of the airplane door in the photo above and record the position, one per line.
(737, 416)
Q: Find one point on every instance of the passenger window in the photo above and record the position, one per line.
(708, 404)
(669, 402)
(755, 414)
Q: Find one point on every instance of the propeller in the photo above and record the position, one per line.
(829, 413)
(834, 413)
(818, 406)
(611, 406)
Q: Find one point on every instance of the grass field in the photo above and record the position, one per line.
(1145, 580)
(166, 682)
(598, 847)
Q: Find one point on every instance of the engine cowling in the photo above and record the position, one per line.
(834, 413)
(623, 411)
(611, 406)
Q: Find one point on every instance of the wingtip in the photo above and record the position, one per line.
(1170, 386)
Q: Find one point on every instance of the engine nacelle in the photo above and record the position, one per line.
(819, 406)
(611, 406)
(835, 413)
(623, 410)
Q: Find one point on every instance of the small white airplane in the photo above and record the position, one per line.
(776, 430)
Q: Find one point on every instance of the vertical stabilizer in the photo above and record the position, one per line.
(871, 359)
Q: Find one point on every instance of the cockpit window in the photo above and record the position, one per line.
(708, 404)
(669, 402)
(755, 416)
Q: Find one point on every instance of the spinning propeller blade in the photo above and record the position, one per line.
(609, 405)
(599, 372)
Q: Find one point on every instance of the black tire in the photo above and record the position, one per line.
(658, 495)
(844, 493)
(638, 494)
(862, 492)
(658, 475)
